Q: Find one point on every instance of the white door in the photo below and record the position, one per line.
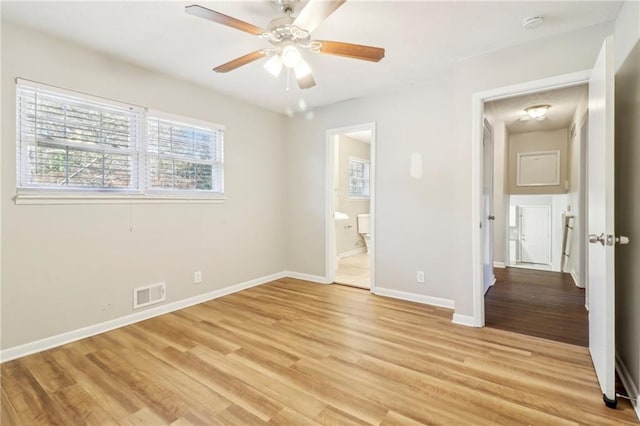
(535, 234)
(487, 206)
(601, 251)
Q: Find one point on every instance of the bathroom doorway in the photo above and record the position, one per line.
(350, 193)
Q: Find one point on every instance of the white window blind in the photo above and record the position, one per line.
(72, 142)
(358, 177)
(184, 157)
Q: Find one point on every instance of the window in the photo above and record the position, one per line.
(358, 177)
(182, 157)
(72, 142)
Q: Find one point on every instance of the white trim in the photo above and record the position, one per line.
(81, 198)
(414, 297)
(91, 330)
(78, 95)
(478, 100)
(466, 320)
(330, 235)
(575, 278)
(352, 252)
(629, 385)
(306, 277)
(184, 121)
(497, 264)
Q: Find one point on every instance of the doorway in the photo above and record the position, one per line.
(502, 224)
(540, 191)
(350, 216)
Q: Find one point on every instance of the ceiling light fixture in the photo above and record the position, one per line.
(274, 65)
(537, 111)
(302, 70)
(291, 56)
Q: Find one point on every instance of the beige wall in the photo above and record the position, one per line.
(627, 194)
(420, 224)
(69, 266)
(347, 237)
(520, 143)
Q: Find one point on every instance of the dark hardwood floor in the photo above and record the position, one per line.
(538, 303)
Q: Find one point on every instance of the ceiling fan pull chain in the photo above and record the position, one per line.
(288, 79)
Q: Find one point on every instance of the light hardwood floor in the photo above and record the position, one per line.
(292, 352)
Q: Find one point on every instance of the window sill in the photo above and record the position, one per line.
(93, 198)
(355, 198)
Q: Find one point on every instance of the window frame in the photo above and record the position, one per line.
(367, 179)
(140, 193)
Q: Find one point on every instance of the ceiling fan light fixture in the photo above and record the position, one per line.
(302, 70)
(537, 111)
(291, 56)
(274, 65)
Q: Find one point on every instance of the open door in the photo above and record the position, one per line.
(601, 250)
(487, 206)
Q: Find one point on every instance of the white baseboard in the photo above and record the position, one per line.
(413, 297)
(627, 382)
(352, 252)
(306, 277)
(92, 330)
(575, 279)
(466, 320)
(499, 265)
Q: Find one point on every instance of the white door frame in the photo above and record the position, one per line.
(330, 232)
(479, 98)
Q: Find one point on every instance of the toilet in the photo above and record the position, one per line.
(364, 229)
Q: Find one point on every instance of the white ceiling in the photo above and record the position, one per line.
(563, 106)
(422, 39)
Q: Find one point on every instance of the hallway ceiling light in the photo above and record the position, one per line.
(537, 111)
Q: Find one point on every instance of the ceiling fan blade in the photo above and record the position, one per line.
(212, 15)
(353, 51)
(238, 62)
(315, 12)
(306, 82)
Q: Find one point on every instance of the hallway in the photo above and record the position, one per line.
(538, 303)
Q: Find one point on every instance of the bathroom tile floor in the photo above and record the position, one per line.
(354, 271)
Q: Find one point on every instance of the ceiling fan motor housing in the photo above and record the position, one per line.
(287, 6)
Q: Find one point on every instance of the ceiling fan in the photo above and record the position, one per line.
(290, 34)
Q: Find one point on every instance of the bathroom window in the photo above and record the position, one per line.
(358, 178)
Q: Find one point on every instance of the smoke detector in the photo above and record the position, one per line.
(532, 22)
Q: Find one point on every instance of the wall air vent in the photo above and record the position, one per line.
(148, 295)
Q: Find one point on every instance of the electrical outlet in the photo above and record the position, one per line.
(420, 276)
(197, 277)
